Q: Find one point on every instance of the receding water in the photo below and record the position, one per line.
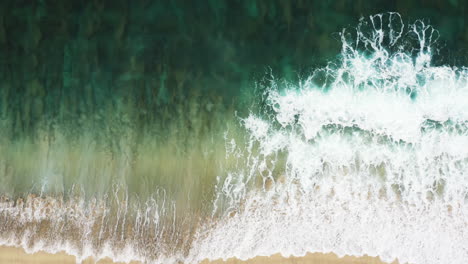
(368, 155)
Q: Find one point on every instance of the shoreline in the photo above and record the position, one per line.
(14, 255)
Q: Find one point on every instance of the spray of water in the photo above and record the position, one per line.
(367, 156)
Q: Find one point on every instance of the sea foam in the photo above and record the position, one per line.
(375, 153)
(367, 156)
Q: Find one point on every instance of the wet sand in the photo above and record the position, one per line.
(12, 255)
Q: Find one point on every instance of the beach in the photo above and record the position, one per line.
(167, 132)
(14, 255)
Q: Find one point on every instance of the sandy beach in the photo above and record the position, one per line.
(13, 255)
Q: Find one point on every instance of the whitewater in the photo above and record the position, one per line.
(375, 154)
(366, 156)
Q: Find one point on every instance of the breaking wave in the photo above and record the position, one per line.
(369, 155)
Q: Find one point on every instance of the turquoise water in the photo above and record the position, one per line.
(366, 155)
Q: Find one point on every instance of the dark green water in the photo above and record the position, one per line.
(132, 103)
(119, 75)
(68, 61)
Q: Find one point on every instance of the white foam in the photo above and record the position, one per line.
(376, 159)
(375, 162)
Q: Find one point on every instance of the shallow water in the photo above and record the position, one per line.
(369, 155)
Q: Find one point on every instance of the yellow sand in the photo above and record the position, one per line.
(12, 255)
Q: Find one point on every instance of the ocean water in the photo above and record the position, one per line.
(367, 155)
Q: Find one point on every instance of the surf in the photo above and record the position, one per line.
(366, 156)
